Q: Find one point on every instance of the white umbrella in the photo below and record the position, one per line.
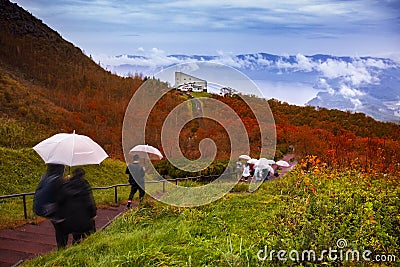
(270, 161)
(245, 157)
(263, 163)
(282, 163)
(252, 161)
(70, 149)
(145, 150)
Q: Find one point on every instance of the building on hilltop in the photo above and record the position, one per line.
(188, 83)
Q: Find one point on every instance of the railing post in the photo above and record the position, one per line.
(163, 186)
(24, 201)
(116, 194)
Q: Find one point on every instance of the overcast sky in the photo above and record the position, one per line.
(113, 27)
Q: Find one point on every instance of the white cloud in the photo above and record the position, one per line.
(230, 60)
(323, 84)
(304, 63)
(356, 102)
(280, 64)
(355, 72)
(290, 92)
(263, 62)
(349, 92)
(189, 68)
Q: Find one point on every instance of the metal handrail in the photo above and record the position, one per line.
(115, 186)
(23, 195)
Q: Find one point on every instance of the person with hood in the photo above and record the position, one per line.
(45, 201)
(78, 206)
(136, 179)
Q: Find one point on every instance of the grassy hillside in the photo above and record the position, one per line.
(302, 211)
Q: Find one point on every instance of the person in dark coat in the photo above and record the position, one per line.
(136, 179)
(78, 206)
(54, 176)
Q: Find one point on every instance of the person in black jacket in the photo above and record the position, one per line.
(78, 206)
(136, 179)
(46, 200)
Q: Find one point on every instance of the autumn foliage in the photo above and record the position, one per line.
(49, 81)
(47, 85)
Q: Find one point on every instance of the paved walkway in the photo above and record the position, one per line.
(29, 241)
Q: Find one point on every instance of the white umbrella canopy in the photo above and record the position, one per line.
(245, 157)
(252, 161)
(270, 161)
(282, 163)
(70, 149)
(264, 163)
(146, 151)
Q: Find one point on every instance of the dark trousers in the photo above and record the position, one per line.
(61, 234)
(134, 188)
(78, 237)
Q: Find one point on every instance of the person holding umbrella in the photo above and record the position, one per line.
(136, 179)
(58, 151)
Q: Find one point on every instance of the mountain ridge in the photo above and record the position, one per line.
(361, 84)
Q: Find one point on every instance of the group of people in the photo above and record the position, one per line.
(251, 171)
(68, 202)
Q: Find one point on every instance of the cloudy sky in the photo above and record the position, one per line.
(114, 27)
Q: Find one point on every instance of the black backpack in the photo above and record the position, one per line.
(44, 203)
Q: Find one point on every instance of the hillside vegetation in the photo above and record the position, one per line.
(304, 211)
(47, 80)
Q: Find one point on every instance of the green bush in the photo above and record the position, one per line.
(166, 169)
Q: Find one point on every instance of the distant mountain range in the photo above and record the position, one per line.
(369, 85)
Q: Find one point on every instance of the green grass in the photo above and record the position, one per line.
(200, 94)
(298, 212)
